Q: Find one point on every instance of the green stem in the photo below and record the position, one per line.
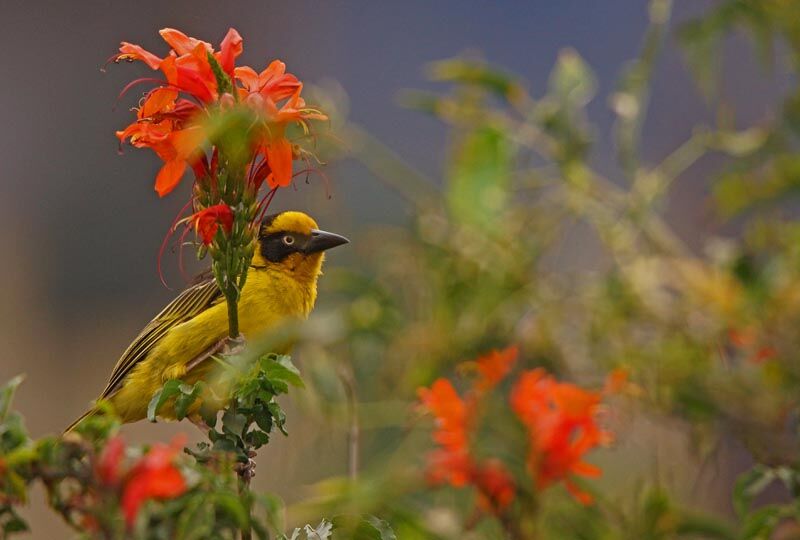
(233, 311)
(244, 488)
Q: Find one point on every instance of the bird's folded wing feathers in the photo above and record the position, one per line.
(186, 306)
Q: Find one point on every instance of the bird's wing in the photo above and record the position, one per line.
(186, 306)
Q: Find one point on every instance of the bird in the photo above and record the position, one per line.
(281, 285)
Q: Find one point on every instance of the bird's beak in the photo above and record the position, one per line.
(321, 240)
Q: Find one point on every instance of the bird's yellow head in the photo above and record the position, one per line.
(290, 242)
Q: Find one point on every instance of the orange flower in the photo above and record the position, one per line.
(155, 476)
(273, 83)
(496, 488)
(452, 463)
(450, 412)
(493, 367)
(748, 339)
(189, 68)
(562, 428)
(110, 464)
(208, 221)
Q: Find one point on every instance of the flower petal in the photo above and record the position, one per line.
(169, 176)
(180, 42)
(279, 155)
(157, 101)
(230, 48)
(129, 51)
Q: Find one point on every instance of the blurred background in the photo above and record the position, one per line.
(81, 224)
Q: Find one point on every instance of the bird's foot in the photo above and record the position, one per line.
(232, 346)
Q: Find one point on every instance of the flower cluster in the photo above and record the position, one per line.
(231, 125)
(560, 420)
(453, 462)
(197, 81)
(154, 476)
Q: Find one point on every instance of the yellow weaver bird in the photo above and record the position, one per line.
(281, 284)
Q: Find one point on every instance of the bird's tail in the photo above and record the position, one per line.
(80, 419)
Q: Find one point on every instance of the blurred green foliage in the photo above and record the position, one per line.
(524, 241)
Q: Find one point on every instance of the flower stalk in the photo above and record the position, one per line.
(229, 124)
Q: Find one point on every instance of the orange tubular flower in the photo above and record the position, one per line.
(169, 125)
(208, 221)
(560, 418)
(452, 463)
(494, 367)
(155, 476)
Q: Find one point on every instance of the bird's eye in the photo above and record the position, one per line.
(288, 240)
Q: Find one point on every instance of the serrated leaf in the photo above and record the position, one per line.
(170, 389)
(233, 422)
(188, 395)
(257, 438)
(278, 416)
(281, 368)
(263, 419)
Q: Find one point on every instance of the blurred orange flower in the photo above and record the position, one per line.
(748, 339)
(208, 221)
(493, 367)
(109, 467)
(562, 428)
(154, 476)
(452, 462)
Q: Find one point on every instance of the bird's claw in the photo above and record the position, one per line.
(233, 346)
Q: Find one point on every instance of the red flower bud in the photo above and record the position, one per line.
(207, 221)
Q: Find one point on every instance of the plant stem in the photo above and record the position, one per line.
(244, 489)
(233, 311)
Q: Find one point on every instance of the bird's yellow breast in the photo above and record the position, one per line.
(270, 296)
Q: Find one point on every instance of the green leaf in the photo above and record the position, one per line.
(466, 71)
(11, 522)
(278, 415)
(760, 524)
(749, 485)
(233, 507)
(281, 368)
(171, 388)
(256, 438)
(263, 419)
(233, 422)
(7, 395)
(478, 181)
(572, 81)
(188, 395)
